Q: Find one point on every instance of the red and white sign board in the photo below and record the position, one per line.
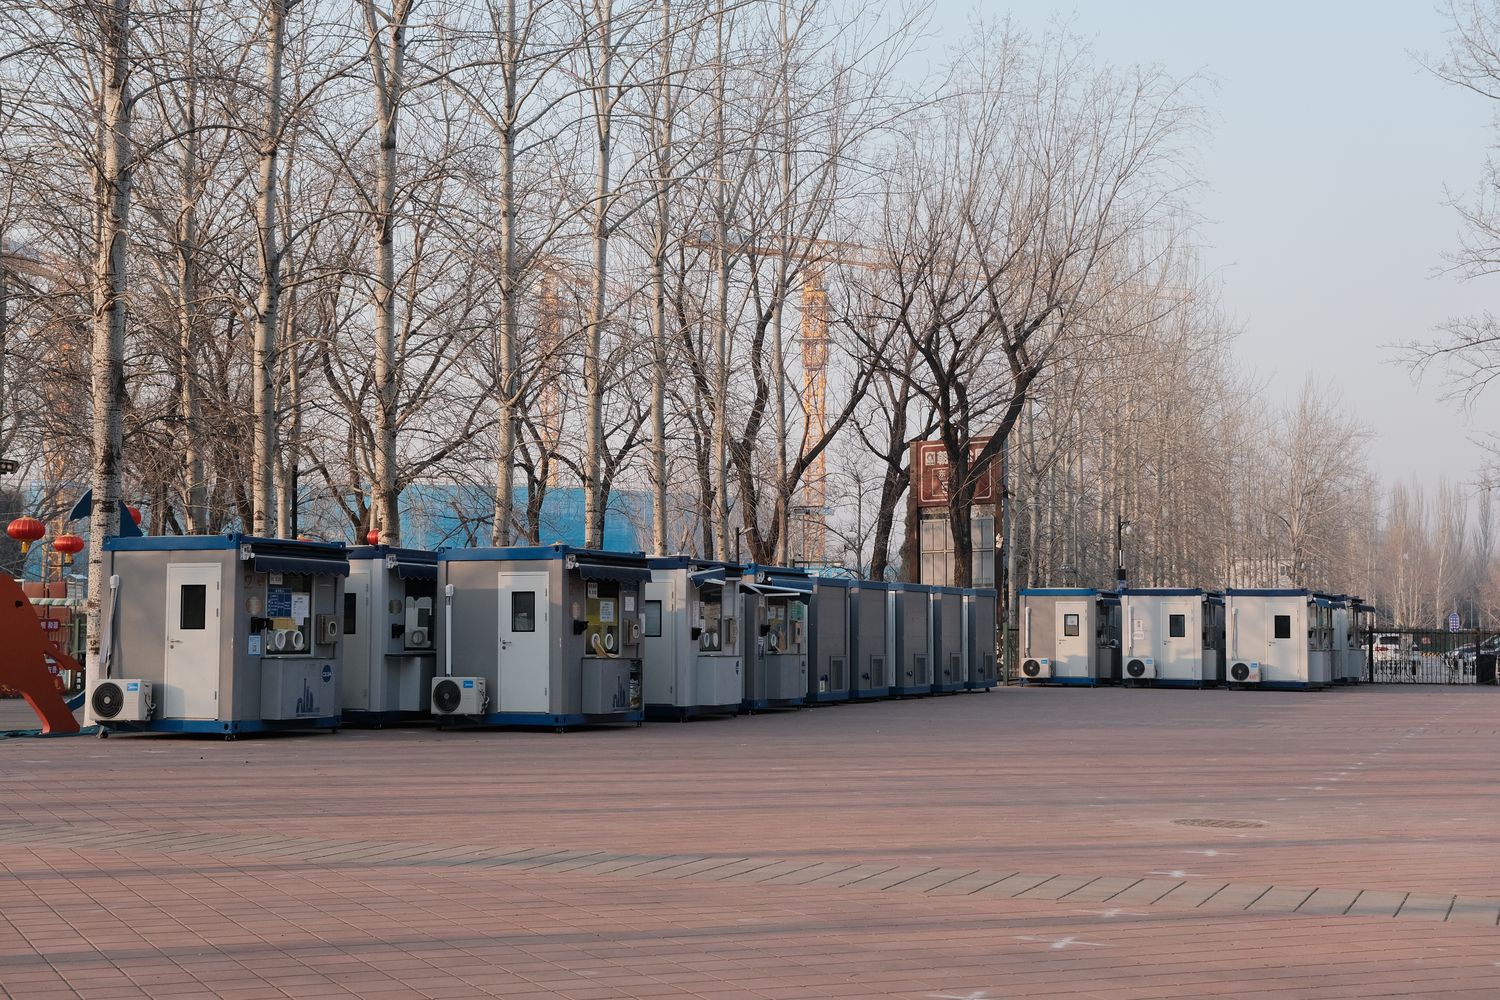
(930, 465)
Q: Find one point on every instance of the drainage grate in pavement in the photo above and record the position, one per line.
(1223, 824)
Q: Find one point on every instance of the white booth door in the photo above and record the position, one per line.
(192, 662)
(525, 668)
(1286, 639)
(1181, 638)
(1072, 639)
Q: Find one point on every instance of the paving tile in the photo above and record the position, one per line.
(1374, 903)
(1425, 906)
(1281, 899)
(1467, 909)
(798, 856)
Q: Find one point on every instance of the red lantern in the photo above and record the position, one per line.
(68, 545)
(373, 536)
(26, 530)
(134, 512)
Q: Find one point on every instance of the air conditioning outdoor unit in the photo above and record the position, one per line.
(458, 696)
(1036, 669)
(120, 701)
(1140, 668)
(1244, 672)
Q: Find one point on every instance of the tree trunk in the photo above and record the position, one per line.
(508, 382)
(596, 498)
(195, 498)
(110, 291)
(389, 94)
(659, 372)
(268, 302)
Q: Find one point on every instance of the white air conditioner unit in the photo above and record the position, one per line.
(458, 696)
(1244, 672)
(121, 700)
(1033, 670)
(1140, 668)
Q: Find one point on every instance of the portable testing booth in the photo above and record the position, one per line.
(1069, 635)
(223, 634)
(910, 632)
(1166, 638)
(775, 602)
(691, 637)
(1361, 620)
(1274, 638)
(390, 608)
(1347, 644)
(828, 634)
(950, 640)
(980, 612)
(870, 642)
(543, 636)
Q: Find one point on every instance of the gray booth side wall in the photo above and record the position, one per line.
(869, 657)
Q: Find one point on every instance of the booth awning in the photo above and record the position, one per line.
(295, 557)
(590, 569)
(776, 590)
(707, 576)
(408, 570)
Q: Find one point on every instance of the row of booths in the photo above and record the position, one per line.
(231, 634)
(1185, 637)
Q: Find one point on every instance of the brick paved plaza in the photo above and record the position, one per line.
(1023, 843)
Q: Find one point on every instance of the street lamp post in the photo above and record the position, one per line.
(1122, 528)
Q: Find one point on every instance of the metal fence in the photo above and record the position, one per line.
(1424, 656)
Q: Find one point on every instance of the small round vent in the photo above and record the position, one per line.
(446, 696)
(1135, 668)
(107, 701)
(1031, 668)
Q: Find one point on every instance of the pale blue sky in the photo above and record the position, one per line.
(1324, 192)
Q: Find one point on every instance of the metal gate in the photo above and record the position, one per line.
(1429, 656)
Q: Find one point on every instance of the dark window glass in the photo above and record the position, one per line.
(523, 611)
(1070, 624)
(1283, 626)
(351, 625)
(1176, 626)
(193, 613)
(651, 610)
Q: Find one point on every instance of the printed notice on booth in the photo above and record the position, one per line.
(301, 606)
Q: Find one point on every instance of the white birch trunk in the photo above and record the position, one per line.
(268, 301)
(110, 290)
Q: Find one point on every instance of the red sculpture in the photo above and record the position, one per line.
(24, 651)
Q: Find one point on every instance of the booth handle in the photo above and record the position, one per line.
(448, 630)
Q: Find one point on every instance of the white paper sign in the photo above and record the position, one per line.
(629, 600)
(1138, 628)
(301, 606)
(254, 645)
(606, 612)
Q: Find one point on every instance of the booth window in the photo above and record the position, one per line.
(420, 597)
(1177, 626)
(289, 606)
(651, 611)
(523, 611)
(712, 638)
(193, 610)
(1070, 624)
(1283, 626)
(351, 613)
